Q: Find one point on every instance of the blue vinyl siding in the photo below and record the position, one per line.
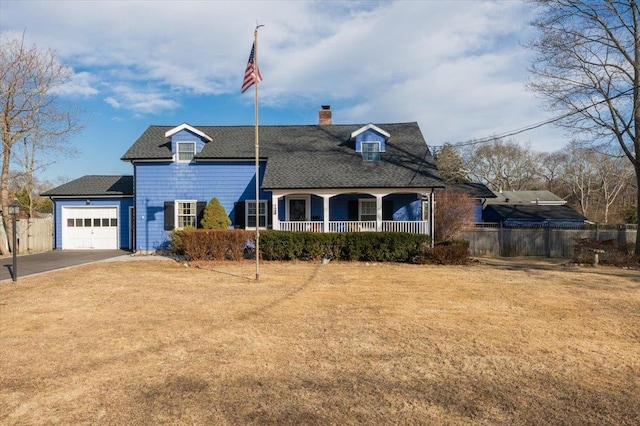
(370, 136)
(156, 183)
(121, 203)
(186, 136)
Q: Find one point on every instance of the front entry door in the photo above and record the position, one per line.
(297, 209)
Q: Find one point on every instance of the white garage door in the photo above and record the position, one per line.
(90, 228)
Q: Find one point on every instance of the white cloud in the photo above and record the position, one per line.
(457, 68)
(111, 101)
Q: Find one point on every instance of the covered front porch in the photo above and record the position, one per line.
(354, 210)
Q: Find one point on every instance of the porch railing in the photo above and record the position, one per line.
(302, 226)
(412, 227)
(352, 226)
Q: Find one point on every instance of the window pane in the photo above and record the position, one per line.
(96, 222)
(368, 210)
(114, 222)
(87, 223)
(370, 151)
(70, 223)
(105, 222)
(186, 151)
(79, 222)
(186, 214)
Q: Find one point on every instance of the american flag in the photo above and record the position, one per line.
(251, 73)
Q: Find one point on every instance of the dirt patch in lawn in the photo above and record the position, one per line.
(343, 343)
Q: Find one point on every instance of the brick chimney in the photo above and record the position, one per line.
(324, 116)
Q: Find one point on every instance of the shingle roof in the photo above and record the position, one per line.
(526, 197)
(473, 189)
(496, 212)
(310, 156)
(94, 185)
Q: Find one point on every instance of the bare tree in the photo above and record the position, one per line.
(502, 165)
(451, 165)
(614, 173)
(453, 211)
(587, 66)
(32, 111)
(579, 176)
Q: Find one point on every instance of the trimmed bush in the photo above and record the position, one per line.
(215, 216)
(211, 244)
(362, 246)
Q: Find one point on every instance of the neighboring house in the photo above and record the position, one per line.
(93, 212)
(478, 191)
(527, 208)
(324, 178)
(542, 197)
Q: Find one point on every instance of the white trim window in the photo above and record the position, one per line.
(185, 151)
(368, 210)
(186, 214)
(371, 151)
(250, 214)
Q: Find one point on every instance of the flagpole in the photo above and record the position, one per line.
(257, 155)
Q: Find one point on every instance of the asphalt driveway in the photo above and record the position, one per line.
(57, 259)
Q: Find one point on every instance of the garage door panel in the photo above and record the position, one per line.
(89, 228)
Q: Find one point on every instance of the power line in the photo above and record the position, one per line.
(532, 126)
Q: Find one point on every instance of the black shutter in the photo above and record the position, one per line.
(169, 211)
(387, 210)
(238, 222)
(352, 210)
(269, 214)
(200, 205)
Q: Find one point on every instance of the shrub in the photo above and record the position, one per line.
(211, 244)
(446, 253)
(215, 216)
(365, 246)
(614, 254)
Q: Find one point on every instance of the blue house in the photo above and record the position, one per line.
(322, 178)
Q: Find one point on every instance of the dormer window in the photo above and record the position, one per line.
(186, 151)
(371, 151)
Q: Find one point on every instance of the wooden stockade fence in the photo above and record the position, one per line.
(492, 239)
(34, 235)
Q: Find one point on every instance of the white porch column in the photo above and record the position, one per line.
(325, 212)
(379, 211)
(275, 222)
(432, 227)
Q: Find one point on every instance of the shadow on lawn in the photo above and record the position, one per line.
(534, 264)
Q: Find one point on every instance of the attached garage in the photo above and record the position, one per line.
(93, 213)
(90, 228)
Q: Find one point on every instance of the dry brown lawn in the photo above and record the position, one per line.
(155, 342)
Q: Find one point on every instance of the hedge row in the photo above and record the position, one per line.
(201, 244)
(365, 246)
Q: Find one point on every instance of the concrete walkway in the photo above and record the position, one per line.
(59, 259)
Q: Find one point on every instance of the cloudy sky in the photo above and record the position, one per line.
(456, 67)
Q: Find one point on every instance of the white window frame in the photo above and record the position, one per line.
(374, 153)
(247, 204)
(191, 152)
(178, 215)
(368, 201)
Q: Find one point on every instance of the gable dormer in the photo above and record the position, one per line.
(186, 142)
(370, 140)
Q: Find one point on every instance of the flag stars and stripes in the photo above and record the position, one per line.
(251, 73)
